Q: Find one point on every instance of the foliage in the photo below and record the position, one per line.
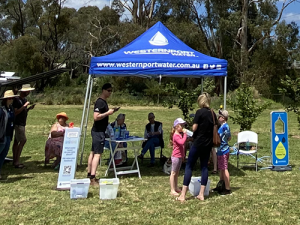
(245, 107)
(183, 99)
(291, 89)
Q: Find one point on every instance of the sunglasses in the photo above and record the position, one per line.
(109, 90)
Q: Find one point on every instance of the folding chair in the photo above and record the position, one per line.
(251, 138)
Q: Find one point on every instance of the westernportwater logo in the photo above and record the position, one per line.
(159, 40)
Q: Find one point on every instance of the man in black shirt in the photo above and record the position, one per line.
(101, 113)
(20, 105)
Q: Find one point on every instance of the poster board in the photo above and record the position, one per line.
(279, 139)
(68, 162)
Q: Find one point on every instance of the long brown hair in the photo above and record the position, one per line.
(171, 135)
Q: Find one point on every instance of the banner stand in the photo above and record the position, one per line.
(279, 142)
(69, 155)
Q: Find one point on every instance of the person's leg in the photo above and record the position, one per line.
(227, 179)
(19, 151)
(98, 139)
(192, 159)
(149, 142)
(226, 173)
(155, 142)
(15, 150)
(177, 189)
(214, 157)
(90, 160)
(173, 184)
(204, 157)
(3, 153)
(21, 139)
(94, 165)
(176, 163)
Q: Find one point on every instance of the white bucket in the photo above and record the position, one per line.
(79, 188)
(109, 188)
(195, 185)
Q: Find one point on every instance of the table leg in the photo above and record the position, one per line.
(112, 153)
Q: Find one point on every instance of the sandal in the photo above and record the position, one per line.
(214, 172)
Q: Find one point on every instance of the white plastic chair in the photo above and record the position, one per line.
(252, 138)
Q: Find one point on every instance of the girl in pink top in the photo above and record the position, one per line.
(178, 136)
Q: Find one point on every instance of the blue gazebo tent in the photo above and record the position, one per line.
(155, 53)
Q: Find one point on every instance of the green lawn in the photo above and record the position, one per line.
(264, 197)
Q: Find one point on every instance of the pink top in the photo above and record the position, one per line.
(178, 145)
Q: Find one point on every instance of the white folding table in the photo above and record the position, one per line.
(135, 146)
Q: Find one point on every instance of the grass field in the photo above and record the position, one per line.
(264, 197)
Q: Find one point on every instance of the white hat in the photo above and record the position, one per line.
(178, 121)
(26, 87)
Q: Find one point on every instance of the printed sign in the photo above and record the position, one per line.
(69, 158)
(279, 139)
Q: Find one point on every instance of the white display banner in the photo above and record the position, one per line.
(68, 162)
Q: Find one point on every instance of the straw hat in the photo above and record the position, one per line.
(26, 87)
(62, 114)
(9, 94)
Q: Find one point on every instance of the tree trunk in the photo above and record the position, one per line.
(244, 41)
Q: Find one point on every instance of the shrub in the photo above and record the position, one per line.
(246, 108)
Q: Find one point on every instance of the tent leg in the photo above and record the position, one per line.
(84, 113)
(225, 91)
(202, 80)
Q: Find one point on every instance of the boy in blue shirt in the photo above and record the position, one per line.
(223, 153)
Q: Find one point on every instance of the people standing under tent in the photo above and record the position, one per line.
(20, 105)
(203, 142)
(101, 113)
(178, 137)
(8, 127)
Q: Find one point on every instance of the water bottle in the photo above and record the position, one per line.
(117, 132)
(122, 134)
(248, 145)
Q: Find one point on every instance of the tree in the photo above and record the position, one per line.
(245, 107)
(291, 88)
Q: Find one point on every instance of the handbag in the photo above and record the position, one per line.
(216, 136)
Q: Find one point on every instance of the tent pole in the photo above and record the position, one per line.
(85, 116)
(225, 91)
(201, 85)
(85, 102)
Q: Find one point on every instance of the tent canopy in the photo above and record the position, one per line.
(158, 52)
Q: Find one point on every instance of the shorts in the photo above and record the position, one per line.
(98, 140)
(176, 163)
(223, 161)
(20, 133)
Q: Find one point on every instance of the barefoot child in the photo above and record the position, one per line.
(223, 153)
(177, 139)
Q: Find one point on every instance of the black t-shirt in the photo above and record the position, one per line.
(20, 119)
(203, 136)
(100, 107)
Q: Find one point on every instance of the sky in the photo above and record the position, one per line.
(291, 13)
